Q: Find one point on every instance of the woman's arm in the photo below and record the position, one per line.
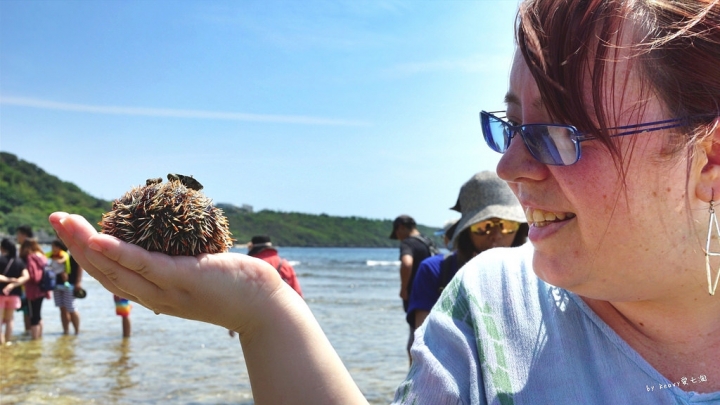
(14, 283)
(289, 359)
(24, 277)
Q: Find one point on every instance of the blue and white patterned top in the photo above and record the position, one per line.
(500, 335)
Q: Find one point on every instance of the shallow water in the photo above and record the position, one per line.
(352, 292)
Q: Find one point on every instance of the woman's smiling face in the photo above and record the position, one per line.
(619, 240)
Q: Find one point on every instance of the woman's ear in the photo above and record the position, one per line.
(707, 160)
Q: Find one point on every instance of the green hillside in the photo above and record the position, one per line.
(296, 229)
(28, 195)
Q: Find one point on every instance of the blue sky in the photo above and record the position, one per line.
(365, 108)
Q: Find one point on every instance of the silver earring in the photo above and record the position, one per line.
(713, 221)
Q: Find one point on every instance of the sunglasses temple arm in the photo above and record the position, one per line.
(581, 138)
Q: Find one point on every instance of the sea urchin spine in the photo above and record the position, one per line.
(168, 217)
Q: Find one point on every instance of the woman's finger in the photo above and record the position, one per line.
(63, 232)
(65, 228)
(111, 275)
(76, 233)
(133, 284)
(156, 267)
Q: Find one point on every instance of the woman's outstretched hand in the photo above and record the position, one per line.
(224, 289)
(289, 359)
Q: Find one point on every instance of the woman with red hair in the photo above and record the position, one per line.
(610, 138)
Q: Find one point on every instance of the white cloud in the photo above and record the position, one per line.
(175, 113)
(473, 64)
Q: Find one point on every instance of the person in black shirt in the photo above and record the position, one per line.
(414, 248)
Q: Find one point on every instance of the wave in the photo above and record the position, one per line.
(374, 263)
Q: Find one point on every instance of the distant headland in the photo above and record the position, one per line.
(28, 195)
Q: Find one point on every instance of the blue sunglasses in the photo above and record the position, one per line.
(554, 144)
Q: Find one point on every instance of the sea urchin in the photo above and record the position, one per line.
(175, 218)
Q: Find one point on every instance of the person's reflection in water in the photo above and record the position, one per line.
(120, 370)
(19, 364)
(63, 354)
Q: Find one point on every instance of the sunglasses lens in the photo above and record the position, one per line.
(495, 132)
(486, 227)
(551, 144)
(510, 226)
(548, 143)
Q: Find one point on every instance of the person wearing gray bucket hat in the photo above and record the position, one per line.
(485, 196)
(491, 217)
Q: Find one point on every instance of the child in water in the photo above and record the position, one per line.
(122, 309)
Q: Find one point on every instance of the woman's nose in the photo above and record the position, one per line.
(517, 163)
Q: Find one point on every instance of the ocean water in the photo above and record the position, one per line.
(353, 293)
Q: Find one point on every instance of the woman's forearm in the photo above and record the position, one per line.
(24, 277)
(291, 361)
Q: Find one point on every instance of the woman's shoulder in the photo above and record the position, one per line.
(19, 262)
(499, 280)
(432, 261)
(17, 266)
(36, 259)
(500, 268)
(429, 271)
(495, 278)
